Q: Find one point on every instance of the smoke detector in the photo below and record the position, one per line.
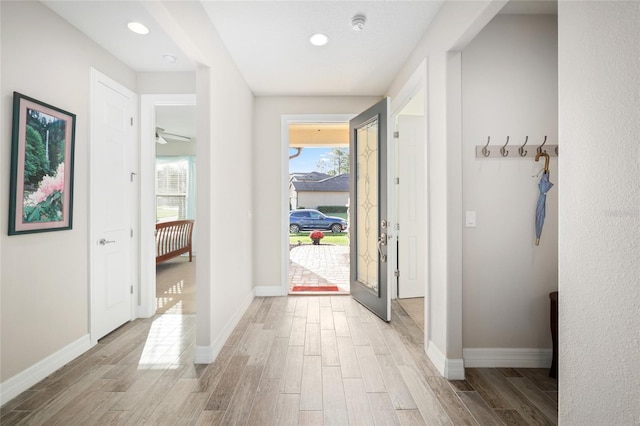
(357, 22)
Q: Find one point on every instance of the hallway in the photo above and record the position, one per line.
(291, 360)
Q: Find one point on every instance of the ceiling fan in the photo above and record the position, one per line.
(162, 136)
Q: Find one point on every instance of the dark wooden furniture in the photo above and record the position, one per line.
(553, 372)
(173, 239)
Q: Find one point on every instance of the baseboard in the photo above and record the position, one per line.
(507, 357)
(208, 354)
(450, 368)
(268, 291)
(22, 381)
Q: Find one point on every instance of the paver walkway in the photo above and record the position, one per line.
(319, 265)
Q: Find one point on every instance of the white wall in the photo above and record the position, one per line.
(223, 155)
(313, 199)
(267, 172)
(599, 208)
(454, 26)
(509, 88)
(44, 277)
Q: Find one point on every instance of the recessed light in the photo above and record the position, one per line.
(319, 39)
(138, 28)
(169, 58)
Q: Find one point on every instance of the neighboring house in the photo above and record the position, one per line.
(315, 189)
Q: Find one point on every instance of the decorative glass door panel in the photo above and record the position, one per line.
(367, 207)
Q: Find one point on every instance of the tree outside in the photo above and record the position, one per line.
(336, 162)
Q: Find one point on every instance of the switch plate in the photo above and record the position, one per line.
(470, 219)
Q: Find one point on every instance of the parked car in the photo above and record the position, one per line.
(308, 219)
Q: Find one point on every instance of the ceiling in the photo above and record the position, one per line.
(269, 40)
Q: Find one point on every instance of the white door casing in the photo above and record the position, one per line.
(112, 185)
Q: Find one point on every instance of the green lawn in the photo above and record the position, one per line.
(339, 239)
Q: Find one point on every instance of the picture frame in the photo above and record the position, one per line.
(42, 154)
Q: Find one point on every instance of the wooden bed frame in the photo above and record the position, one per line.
(173, 239)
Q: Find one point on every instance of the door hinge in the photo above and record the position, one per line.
(131, 121)
(397, 181)
(396, 135)
(397, 226)
(131, 289)
(131, 232)
(396, 273)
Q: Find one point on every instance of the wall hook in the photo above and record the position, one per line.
(540, 147)
(521, 150)
(485, 151)
(503, 150)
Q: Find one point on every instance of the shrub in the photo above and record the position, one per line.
(332, 209)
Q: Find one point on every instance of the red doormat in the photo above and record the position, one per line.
(316, 288)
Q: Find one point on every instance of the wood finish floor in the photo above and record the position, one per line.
(307, 360)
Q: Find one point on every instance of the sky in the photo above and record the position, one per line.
(307, 161)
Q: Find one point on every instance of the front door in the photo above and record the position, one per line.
(369, 227)
(111, 236)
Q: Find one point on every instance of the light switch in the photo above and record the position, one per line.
(470, 219)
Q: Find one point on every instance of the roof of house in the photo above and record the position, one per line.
(339, 183)
(308, 176)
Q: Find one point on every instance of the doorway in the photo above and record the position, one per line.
(319, 182)
(315, 184)
(151, 111)
(175, 202)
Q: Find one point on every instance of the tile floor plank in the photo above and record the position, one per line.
(536, 396)
(340, 324)
(479, 409)
(263, 411)
(370, 369)
(428, 405)
(311, 388)
(517, 400)
(292, 380)
(348, 359)
(453, 406)
(410, 418)
(396, 385)
(287, 409)
(358, 407)
(310, 418)
(382, 409)
(333, 398)
(312, 345)
(329, 348)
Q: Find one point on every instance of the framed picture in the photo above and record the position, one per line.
(41, 191)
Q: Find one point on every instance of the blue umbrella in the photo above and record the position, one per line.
(544, 185)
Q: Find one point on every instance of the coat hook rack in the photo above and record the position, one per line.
(485, 151)
(521, 150)
(539, 150)
(501, 151)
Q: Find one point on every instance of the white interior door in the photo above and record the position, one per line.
(111, 236)
(369, 214)
(411, 214)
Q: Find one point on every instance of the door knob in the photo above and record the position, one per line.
(382, 241)
(104, 242)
